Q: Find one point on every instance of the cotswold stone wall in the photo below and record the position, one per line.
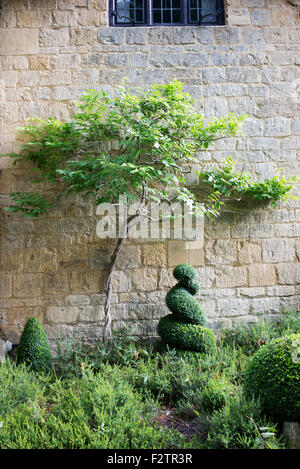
(55, 267)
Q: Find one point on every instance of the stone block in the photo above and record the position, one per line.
(191, 59)
(177, 252)
(144, 279)
(265, 306)
(166, 279)
(165, 60)
(62, 314)
(277, 127)
(261, 231)
(288, 274)
(54, 37)
(86, 282)
(65, 18)
(205, 35)
(17, 41)
(137, 36)
(83, 36)
(139, 59)
(27, 285)
(231, 276)
(220, 252)
(129, 257)
(233, 307)
(121, 281)
(278, 250)
(55, 283)
(251, 292)
(239, 16)
(261, 17)
(261, 275)
(39, 260)
(5, 286)
(55, 77)
(248, 252)
(205, 276)
(34, 19)
(117, 60)
(161, 35)
(114, 36)
(226, 34)
(185, 35)
(154, 255)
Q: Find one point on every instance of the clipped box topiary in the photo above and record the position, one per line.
(273, 376)
(33, 348)
(185, 328)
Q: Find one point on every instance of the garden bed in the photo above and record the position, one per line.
(128, 395)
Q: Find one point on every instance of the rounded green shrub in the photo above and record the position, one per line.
(186, 336)
(185, 329)
(33, 348)
(273, 376)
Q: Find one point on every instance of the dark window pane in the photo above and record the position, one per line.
(129, 12)
(167, 16)
(203, 11)
(176, 16)
(139, 16)
(194, 16)
(156, 16)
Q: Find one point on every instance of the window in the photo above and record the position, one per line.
(165, 12)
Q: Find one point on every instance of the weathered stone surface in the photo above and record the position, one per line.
(144, 279)
(261, 275)
(18, 41)
(177, 252)
(5, 286)
(231, 276)
(26, 285)
(121, 281)
(154, 255)
(233, 307)
(278, 250)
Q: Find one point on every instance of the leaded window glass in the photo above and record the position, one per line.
(166, 12)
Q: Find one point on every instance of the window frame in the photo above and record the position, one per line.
(148, 16)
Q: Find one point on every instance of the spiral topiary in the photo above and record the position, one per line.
(33, 348)
(273, 376)
(185, 329)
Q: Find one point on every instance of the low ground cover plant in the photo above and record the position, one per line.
(127, 394)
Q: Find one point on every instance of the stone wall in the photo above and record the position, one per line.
(55, 267)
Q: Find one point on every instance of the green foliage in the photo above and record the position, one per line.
(215, 395)
(93, 412)
(186, 336)
(32, 205)
(251, 337)
(133, 145)
(18, 385)
(108, 396)
(74, 354)
(183, 307)
(240, 424)
(184, 329)
(228, 184)
(273, 375)
(33, 348)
